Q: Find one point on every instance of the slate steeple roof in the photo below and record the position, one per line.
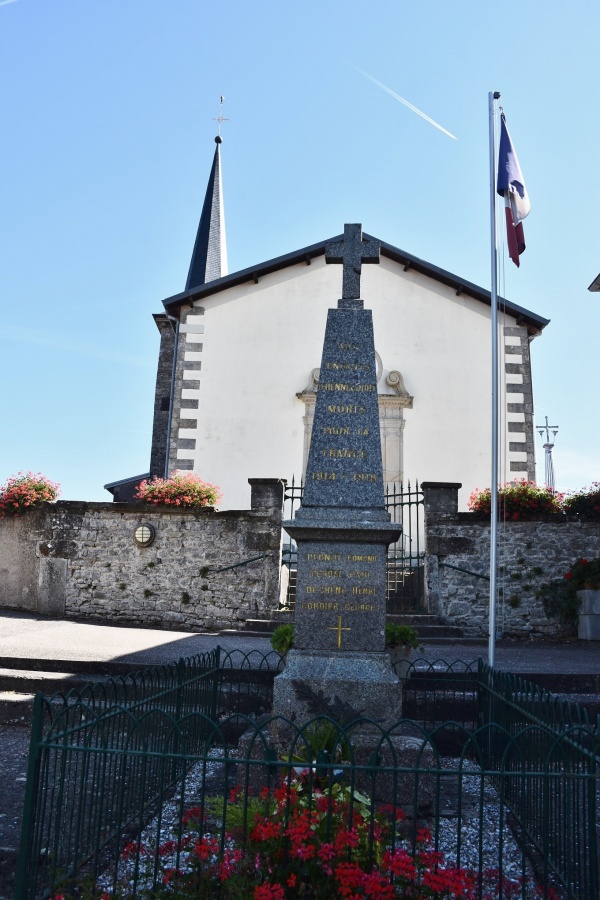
(209, 258)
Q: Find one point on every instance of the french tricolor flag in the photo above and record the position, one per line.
(511, 186)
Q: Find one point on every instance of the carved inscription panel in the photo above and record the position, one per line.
(340, 596)
(344, 463)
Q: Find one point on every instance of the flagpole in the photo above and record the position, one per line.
(492, 97)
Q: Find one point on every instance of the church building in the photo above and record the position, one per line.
(239, 364)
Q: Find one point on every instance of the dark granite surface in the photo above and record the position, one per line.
(342, 528)
(340, 596)
(344, 465)
(363, 681)
(352, 252)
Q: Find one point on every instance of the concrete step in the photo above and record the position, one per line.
(283, 615)
(230, 632)
(415, 619)
(260, 627)
(590, 702)
(30, 681)
(428, 628)
(21, 678)
(267, 626)
(73, 666)
(446, 632)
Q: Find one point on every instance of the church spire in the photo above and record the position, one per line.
(209, 259)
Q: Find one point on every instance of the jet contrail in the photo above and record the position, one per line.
(406, 103)
(4, 2)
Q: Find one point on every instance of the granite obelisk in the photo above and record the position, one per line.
(342, 528)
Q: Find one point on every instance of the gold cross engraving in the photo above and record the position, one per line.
(339, 630)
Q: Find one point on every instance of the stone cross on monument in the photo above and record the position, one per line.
(342, 528)
(352, 252)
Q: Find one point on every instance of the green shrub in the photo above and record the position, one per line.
(322, 736)
(560, 597)
(282, 639)
(401, 636)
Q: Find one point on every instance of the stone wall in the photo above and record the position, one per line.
(82, 560)
(529, 554)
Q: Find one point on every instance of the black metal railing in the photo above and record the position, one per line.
(406, 558)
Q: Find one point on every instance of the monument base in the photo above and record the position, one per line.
(317, 682)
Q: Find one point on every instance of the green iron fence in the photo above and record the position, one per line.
(546, 752)
(406, 558)
(126, 787)
(101, 759)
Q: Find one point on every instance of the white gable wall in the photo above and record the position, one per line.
(260, 342)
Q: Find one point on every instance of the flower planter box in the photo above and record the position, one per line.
(589, 615)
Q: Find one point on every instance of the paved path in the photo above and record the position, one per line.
(31, 637)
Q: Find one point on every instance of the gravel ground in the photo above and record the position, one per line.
(478, 847)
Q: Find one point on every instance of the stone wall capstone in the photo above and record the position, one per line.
(530, 554)
(81, 559)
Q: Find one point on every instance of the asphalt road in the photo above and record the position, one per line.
(30, 637)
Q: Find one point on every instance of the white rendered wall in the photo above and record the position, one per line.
(260, 343)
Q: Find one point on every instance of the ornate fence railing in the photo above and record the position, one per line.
(127, 788)
(546, 752)
(406, 558)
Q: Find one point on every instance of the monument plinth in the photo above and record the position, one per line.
(342, 528)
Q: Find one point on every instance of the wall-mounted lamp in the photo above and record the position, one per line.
(144, 535)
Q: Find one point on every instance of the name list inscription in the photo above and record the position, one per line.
(341, 587)
(340, 594)
(344, 449)
(319, 578)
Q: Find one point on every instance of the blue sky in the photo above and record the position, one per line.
(107, 139)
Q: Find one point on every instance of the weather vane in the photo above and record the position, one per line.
(220, 118)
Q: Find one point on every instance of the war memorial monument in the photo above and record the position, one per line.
(342, 528)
